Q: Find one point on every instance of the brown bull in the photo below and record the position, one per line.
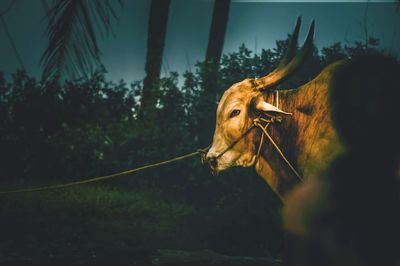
(298, 121)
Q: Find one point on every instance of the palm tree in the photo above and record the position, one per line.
(72, 47)
(155, 47)
(218, 29)
(210, 85)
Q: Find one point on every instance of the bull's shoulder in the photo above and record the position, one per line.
(328, 74)
(315, 92)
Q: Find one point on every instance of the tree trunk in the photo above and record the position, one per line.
(210, 85)
(218, 29)
(155, 46)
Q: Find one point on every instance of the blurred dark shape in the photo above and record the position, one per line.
(365, 104)
(354, 215)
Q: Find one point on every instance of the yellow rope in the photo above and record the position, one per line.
(236, 141)
(261, 142)
(278, 150)
(100, 178)
(145, 167)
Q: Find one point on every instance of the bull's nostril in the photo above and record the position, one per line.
(212, 160)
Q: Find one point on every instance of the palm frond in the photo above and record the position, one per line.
(72, 44)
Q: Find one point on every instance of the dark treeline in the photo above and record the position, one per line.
(91, 126)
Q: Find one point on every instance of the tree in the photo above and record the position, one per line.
(155, 46)
(72, 46)
(209, 71)
(333, 53)
(218, 29)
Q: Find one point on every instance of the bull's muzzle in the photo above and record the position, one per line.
(212, 161)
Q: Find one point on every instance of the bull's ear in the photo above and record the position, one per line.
(263, 106)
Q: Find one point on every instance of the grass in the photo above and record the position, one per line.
(109, 225)
(89, 223)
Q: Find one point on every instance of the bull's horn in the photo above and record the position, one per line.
(290, 52)
(288, 64)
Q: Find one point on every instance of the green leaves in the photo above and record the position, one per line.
(72, 31)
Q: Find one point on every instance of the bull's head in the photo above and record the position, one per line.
(242, 103)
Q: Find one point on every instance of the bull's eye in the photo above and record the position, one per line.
(234, 113)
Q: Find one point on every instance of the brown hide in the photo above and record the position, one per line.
(307, 138)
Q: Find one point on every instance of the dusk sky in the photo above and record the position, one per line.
(257, 24)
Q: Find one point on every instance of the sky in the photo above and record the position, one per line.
(257, 24)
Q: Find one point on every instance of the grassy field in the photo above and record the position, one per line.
(89, 224)
(105, 225)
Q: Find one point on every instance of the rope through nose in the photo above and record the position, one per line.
(235, 141)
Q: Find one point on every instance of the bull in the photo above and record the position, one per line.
(284, 134)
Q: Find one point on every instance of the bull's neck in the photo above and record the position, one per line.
(270, 164)
(294, 135)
